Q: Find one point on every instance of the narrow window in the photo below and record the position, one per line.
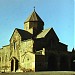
(14, 45)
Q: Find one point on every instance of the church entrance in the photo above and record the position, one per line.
(14, 64)
(52, 63)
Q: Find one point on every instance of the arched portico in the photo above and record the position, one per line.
(14, 64)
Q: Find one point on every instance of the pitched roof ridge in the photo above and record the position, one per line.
(43, 33)
(33, 17)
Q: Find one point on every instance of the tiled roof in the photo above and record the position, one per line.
(24, 34)
(33, 17)
(43, 33)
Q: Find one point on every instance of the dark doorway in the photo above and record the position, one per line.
(64, 65)
(16, 65)
(12, 65)
(52, 63)
(73, 64)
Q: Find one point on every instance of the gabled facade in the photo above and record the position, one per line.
(35, 49)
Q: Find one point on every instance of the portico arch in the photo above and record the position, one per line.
(14, 64)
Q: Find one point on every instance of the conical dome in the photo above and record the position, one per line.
(34, 17)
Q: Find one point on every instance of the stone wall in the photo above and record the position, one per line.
(5, 57)
(41, 63)
(27, 57)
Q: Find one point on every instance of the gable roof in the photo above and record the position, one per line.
(34, 17)
(43, 33)
(24, 34)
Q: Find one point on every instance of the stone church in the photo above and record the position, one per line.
(35, 49)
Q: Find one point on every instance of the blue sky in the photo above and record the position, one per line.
(58, 14)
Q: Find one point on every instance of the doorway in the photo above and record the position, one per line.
(14, 64)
